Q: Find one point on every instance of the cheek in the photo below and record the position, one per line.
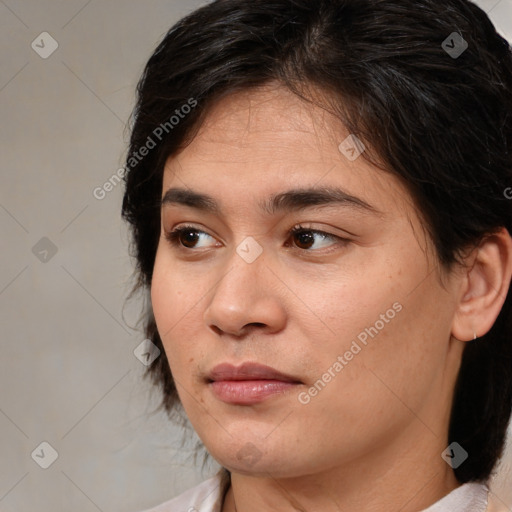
(167, 300)
(394, 340)
(361, 309)
(177, 306)
(162, 292)
(172, 294)
(400, 365)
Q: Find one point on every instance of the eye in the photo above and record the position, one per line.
(185, 236)
(306, 237)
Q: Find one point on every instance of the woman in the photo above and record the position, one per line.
(317, 197)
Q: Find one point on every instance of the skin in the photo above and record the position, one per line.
(372, 438)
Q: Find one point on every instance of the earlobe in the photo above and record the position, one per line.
(484, 287)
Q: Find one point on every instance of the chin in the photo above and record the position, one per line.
(252, 459)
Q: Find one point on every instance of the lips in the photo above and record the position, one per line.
(249, 383)
(248, 371)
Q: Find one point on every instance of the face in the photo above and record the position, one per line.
(348, 313)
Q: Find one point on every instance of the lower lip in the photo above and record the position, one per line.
(247, 392)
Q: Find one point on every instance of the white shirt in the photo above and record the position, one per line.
(208, 497)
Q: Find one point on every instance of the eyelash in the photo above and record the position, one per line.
(173, 236)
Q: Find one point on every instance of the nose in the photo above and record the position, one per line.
(248, 296)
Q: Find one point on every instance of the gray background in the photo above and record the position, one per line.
(68, 374)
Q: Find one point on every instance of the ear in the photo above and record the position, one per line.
(484, 286)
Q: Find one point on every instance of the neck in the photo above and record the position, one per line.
(395, 479)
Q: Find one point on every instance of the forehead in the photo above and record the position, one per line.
(269, 121)
(263, 141)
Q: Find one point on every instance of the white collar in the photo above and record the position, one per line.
(208, 497)
(469, 497)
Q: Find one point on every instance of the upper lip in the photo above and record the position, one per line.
(248, 371)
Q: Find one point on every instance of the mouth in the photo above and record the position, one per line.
(249, 383)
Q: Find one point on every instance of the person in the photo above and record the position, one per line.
(319, 201)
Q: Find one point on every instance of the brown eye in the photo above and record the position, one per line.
(305, 238)
(186, 237)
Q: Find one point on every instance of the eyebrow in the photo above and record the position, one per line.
(289, 201)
